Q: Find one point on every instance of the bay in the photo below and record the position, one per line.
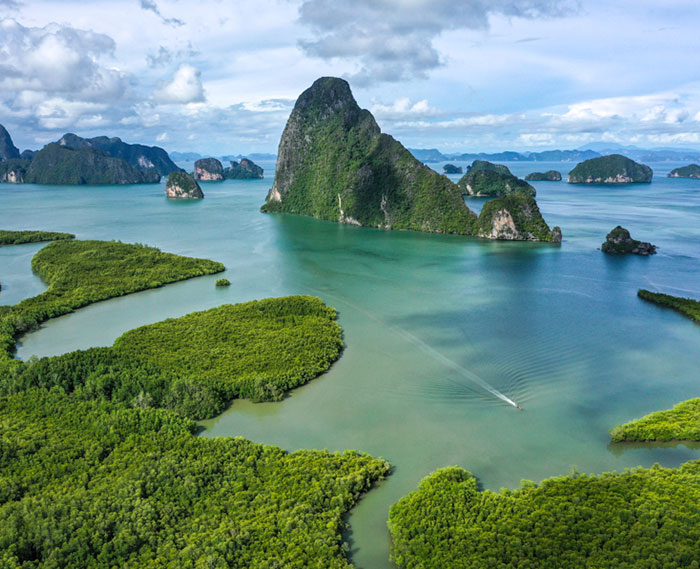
(434, 325)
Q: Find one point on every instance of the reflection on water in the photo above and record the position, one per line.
(429, 321)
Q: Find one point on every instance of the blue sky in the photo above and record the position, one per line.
(221, 77)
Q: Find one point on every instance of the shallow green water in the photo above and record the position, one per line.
(427, 319)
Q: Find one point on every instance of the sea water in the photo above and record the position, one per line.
(557, 329)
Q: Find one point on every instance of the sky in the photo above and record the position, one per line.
(218, 77)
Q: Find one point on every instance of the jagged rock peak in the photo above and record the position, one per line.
(8, 150)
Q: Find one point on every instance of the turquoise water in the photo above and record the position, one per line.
(429, 321)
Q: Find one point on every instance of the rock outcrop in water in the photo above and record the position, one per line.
(484, 179)
(620, 242)
(451, 169)
(181, 185)
(514, 217)
(689, 171)
(137, 155)
(208, 170)
(63, 165)
(548, 176)
(612, 169)
(8, 150)
(334, 163)
(13, 171)
(244, 170)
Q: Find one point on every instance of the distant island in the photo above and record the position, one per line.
(451, 169)
(208, 170)
(689, 171)
(613, 169)
(73, 160)
(335, 164)
(484, 179)
(31, 236)
(243, 170)
(619, 242)
(548, 176)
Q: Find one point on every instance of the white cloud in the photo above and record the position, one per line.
(185, 87)
(162, 137)
(402, 108)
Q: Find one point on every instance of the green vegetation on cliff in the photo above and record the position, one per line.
(486, 179)
(689, 171)
(8, 151)
(335, 164)
(79, 273)
(20, 237)
(515, 216)
(548, 176)
(182, 185)
(93, 484)
(641, 519)
(680, 423)
(686, 306)
(63, 165)
(197, 363)
(14, 170)
(612, 169)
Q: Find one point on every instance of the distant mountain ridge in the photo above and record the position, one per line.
(575, 155)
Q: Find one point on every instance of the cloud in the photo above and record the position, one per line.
(10, 4)
(57, 60)
(403, 109)
(392, 40)
(151, 6)
(186, 87)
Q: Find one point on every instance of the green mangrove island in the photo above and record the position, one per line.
(334, 163)
(31, 236)
(612, 169)
(680, 423)
(195, 365)
(95, 474)
(688, 307)
(642, 518)
(484, 179)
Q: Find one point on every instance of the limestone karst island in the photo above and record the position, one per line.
(319, 284)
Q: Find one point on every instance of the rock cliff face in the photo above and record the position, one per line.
(689, 171)
(548, 176)
(334, 163)
(208, 170)
(244, 170)
(13, 171)
(486, 179)
(8, 150)
(183, 186)
(612, 169)
(514, 217)
(137, 155)
(63, 165)
(620, 242)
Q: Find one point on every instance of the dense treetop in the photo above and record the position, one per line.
(31, 236)
(641, 519)
(92, 484)
(680, 423)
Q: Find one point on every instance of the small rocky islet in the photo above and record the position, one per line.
(620, 242)
(181, 185)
